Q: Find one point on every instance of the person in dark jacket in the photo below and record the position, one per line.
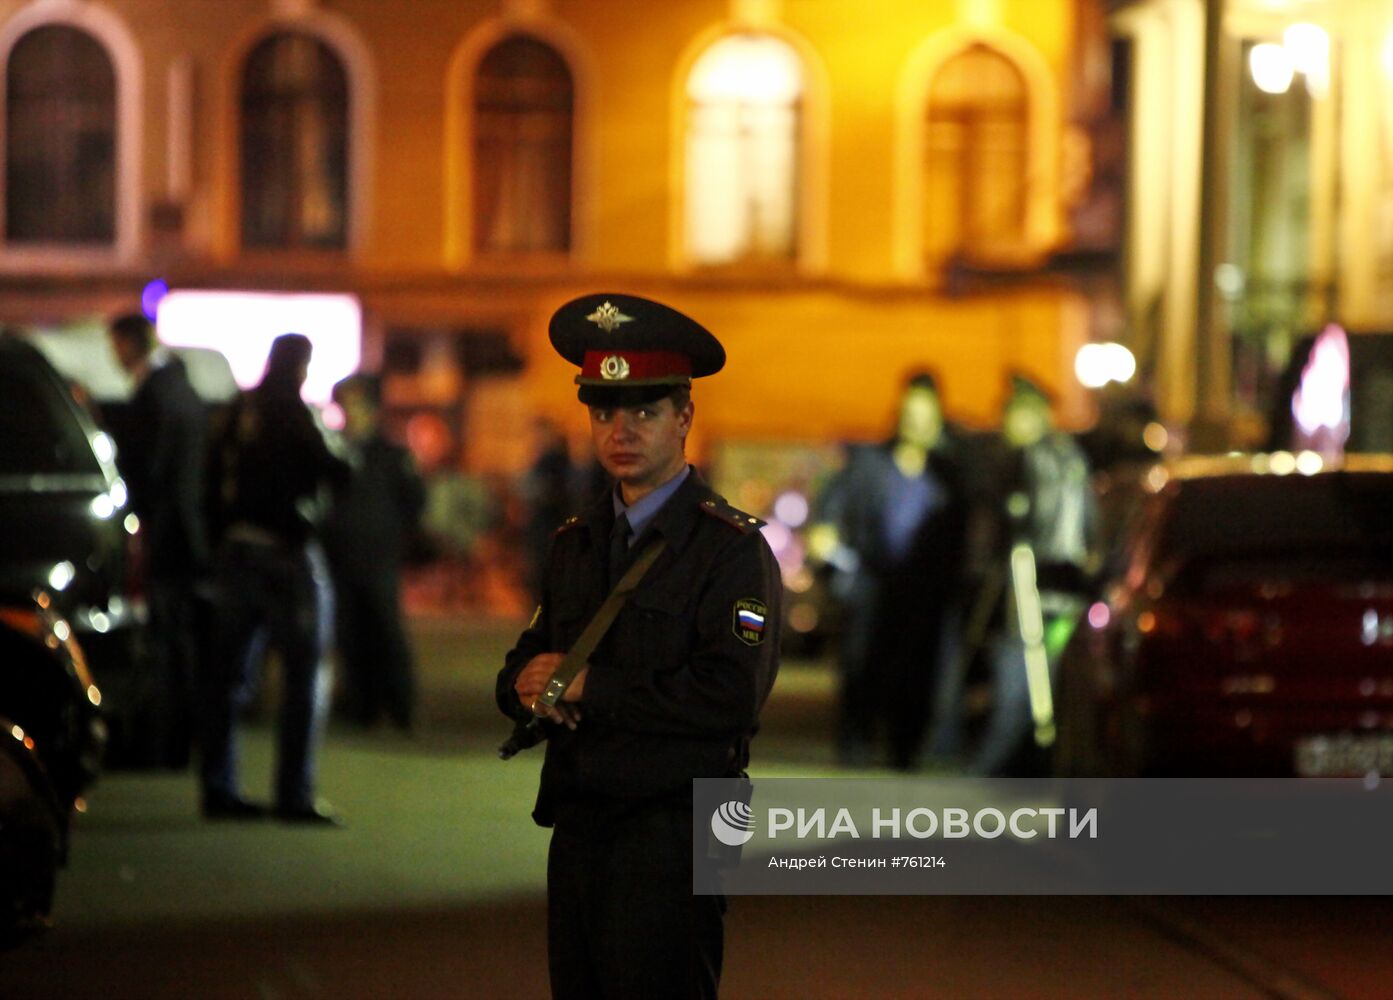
(893, 524)
(161, 458)
(274, 469)
(1045, 510)
(672, 693)
(369, 527)
(548, 490)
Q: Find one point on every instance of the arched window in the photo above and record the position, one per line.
(294, 147)
(60, 139)
(744, 102)
(523, 107)
(975, 174)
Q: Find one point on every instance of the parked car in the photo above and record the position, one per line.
(67, 530)
(51, 741)
(1246, 626)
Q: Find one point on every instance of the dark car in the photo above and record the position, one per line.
(1246, 627)
(66, 528)
(51, 741)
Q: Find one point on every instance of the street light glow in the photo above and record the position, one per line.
(1272, 68)
(1096, 365)
(1309, 48)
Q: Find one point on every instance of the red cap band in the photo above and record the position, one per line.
(621, 366)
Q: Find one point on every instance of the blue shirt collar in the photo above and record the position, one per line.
(642, 512)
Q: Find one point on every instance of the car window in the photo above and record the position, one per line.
(1285, 526)
(39, 434)
(1281, 512)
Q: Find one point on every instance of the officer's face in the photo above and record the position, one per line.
(641, 446)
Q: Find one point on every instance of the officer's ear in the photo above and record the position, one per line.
(685, 409)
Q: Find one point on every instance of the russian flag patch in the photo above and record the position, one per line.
(749, 620)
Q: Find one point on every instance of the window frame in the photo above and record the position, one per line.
(119, 44)
(747, 262)
(476, 112)
(295, 98)
(974, 117)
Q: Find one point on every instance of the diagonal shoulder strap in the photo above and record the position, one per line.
(579, 654)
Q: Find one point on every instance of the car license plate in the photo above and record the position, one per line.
(1344, 755)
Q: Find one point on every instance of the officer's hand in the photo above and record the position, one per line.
(576, 692)
(532, 681)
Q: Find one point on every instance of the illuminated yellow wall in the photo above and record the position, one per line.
(828, 366)
(815, 351)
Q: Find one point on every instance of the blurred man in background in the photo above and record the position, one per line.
(161, 458)
(273, 469)
(370, 526)
(893, 523)
(1046, 525)
(549, 492)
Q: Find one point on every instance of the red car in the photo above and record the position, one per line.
(1247, 628)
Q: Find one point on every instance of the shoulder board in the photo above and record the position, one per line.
(566, 525)
(737, 519)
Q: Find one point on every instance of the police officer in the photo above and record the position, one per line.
(673, 691)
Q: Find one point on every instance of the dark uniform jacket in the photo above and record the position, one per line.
(162, 462)
(674, 690)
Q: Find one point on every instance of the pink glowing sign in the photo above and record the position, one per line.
(241, 325)
(1320, 405)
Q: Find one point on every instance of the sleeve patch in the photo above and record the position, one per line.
(748, 620)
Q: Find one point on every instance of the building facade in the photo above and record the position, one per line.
(844, 192)
(1260, 197)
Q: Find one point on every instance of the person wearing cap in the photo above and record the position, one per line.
(673, 691)
(1045, 501)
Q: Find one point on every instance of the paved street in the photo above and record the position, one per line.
(436, 890)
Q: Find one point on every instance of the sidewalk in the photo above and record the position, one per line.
(436, 888)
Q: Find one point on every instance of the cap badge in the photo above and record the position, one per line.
(608, 318)
(614, 367)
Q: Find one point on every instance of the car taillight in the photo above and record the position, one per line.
(1161, 622)
(1223, 626)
